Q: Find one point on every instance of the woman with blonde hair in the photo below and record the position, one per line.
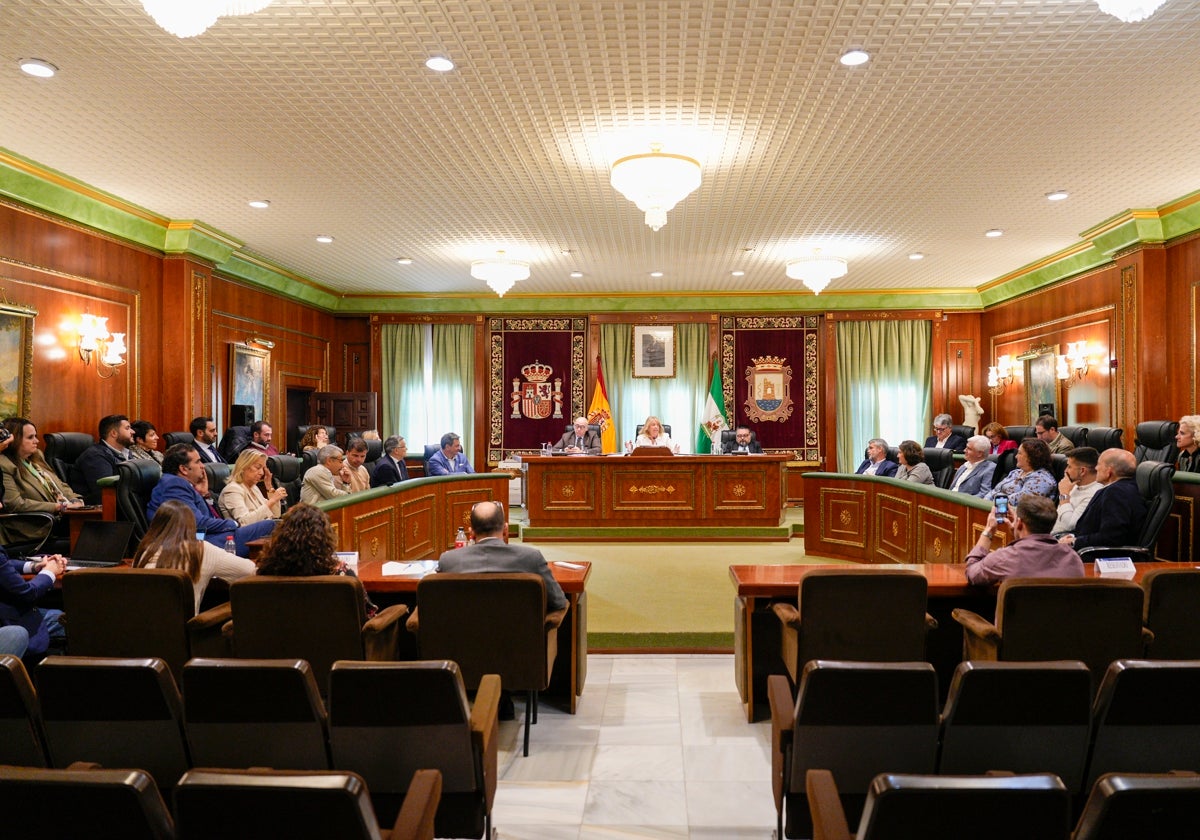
(1187, 439)
(241, 499)
(170, 543)
(653, 434)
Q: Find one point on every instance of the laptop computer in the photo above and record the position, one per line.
(100, 544)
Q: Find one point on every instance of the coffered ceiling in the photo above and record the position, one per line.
(968, 113)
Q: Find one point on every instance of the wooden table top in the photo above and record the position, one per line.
(572, 581)
(945, 579)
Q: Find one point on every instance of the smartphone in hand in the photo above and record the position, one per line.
(1001, 508)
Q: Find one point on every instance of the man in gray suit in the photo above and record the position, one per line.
(974, 477)
(491, 553)
(580, 440)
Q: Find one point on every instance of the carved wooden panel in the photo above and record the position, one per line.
(650, 489)
(937, 537)
(843, 518)
(417, 527)
(570, 491)
(458, 507)
(894, 518)
(374, 535)
(739, 488)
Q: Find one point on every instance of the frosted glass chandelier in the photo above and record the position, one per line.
(655, 181)
(500, 272)
(188, 18)
(816, 271)
(1129, 11)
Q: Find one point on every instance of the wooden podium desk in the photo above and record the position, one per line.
(756, 631)
(613, 491)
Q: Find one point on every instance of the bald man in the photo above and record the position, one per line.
(1115, 514)
(580, 440)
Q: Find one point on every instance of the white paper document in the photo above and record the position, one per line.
(420, 568)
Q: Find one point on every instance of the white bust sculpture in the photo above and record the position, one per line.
(972, 410)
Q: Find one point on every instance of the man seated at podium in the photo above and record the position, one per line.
(743, 441)
(580, 440)
(652, 434)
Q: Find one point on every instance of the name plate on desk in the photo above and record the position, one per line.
(650, 451)
(1121, 568)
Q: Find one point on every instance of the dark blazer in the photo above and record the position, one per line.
(979, 482)
(206, 455)
(886, 468)
(495, 555)
(181, 490)
(1113, 517)
(96, 462)
(591, 441)
(956, 442)
(752, 446)
(388, 472)
(17, 603)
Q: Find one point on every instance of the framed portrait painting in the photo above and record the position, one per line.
(248, 376)
(654, 351)
(16, 360)
(1041, 384)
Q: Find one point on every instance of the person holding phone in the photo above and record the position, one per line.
(1033, 553)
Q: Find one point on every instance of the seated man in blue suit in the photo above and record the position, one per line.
(974, 477)
(449, 459)
(182, 472)
(391, 467)
(876, 462)
(19, 597)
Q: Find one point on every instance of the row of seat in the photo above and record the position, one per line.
(859, 719)
(385, 721)
(999, 807)
(879, 615)
(94, 802)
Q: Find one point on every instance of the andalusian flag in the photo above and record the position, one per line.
(713, 419)
(600, 413)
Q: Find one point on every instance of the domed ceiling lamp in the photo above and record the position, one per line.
(500, 272)
(1129, 11)
(655, 181)
(816, 271)
(188, 18)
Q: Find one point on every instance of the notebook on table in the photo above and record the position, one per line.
(100, 544)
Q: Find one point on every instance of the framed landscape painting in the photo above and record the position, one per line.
(16, 360)
(654, 351)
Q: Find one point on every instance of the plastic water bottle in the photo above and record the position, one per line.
(460, 539)
(230, 545)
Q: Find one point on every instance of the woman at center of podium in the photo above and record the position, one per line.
(652, 434)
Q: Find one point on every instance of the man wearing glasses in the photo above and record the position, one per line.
(944, 437)
(1048, 433)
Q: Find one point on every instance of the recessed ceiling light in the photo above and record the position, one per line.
(855, 57)
(737, 273)
(324, 239)
(259, 204)
(576, 274)
(1057, 195)
(656, 274)
(37, 67)
(440, 63)
(993, 233)
(404, 260)
(916, 255)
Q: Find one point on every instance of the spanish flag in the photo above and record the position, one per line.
(600, 413)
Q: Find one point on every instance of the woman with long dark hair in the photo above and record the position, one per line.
(30, 485)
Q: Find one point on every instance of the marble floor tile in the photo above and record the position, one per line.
(662, 731)
(633, 832)
(539, 803)
(551, 762)
(537, 832)
(635, 803)
(727, 763)
(746, 805)
(634, 762)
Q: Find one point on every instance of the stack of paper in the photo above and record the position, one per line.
(420, 568)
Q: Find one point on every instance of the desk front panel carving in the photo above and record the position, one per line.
(417, 527)
(739, 488)
(842, 522)
(894, 534)
(374, 534)
(655, 489)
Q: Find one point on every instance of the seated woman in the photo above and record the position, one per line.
(30, 484)
(1032, 474)
(314, 439)
(912, 464)
(1188, 443)
(652, 434)
(170, 543)
(145, 441)
(998, 435)
(241, 499)
(303, 545)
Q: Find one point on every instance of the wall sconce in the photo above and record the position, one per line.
(1072, 367)
(95, 339)
(261, 342)
(1000, 375)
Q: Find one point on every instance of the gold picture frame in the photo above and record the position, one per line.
(250, 378)
(654, 351)
(16, 359)
(1041, 382)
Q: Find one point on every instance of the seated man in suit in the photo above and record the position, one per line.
(580, 440)
(204, 433)
(100, 459)
(975, 475)
(329, 479)
(18, 599)
(391, 467)
(944, 437)
(876, 462)
(743, 442)
(182, 475)
(450, 459)
(1114, 515)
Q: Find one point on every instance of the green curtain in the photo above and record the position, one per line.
(452, 400)
(678, 401)
(403, 349)
(884, 376)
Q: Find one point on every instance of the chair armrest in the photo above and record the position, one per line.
(788, 614)
(215, 617)
(930, 623)
(415, 820)
(981, 638)
(779, 693)
(381, 634)
(413, 625)
(1147, 639)
(485, 731)
(828, 816)
(206, 632)
(1134, 552)
(555, 619)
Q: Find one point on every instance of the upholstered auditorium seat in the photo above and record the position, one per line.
(22, 740)
(172, 438)
(136, 480)
(287, 471)
(218, 477)
(1019, 433)
(1154, 440)
(1127, 805)
(82, 801)
(62, 448)
(1104, 437)
(941, 464)
(1172, 612)
(1078, 435)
